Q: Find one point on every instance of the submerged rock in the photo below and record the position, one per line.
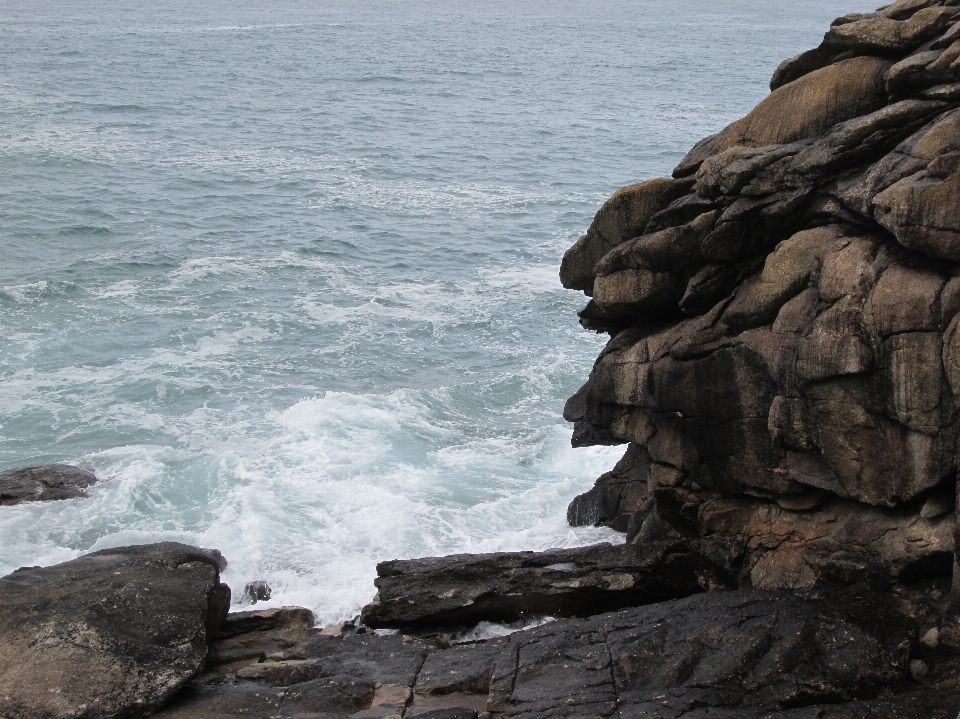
(258, 591)
(44, 482)
(115, 633)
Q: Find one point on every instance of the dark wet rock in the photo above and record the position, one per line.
(618, 493)
(452, 713)
(468, 588)
(743, 654)
(930, 703)
(318, 676)
(254, 592)
(463, 668)
(214, 702)
(44, 482)
(115, 633)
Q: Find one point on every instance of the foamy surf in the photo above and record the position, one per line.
(338, 483)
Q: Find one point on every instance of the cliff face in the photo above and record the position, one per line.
(784, 313)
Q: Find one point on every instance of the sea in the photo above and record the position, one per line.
(284, 273)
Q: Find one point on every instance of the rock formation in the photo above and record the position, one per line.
(784, 312)
(508, 586)
(44, 482)
(722, 655)
(115, 633)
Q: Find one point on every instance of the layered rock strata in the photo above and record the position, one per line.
(784, 316)
(742, 655)
(122, 633)
(505, 587)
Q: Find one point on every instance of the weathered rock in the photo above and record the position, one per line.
(892, 32)
(797, 342)
(321, 676)
(805, 108)
(115, 633)
(468, 588)
(820, 358)
(623, 216)
(815, 540)
(840, 542)
(464, 668)
(246, 636)
(727, 654)
(44, 482)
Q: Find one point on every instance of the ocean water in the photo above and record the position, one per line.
(284, 274)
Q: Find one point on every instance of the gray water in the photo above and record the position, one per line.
(284, 274)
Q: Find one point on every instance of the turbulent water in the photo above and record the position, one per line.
(284, 274)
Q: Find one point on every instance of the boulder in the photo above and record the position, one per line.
(115, 633)
(622, 217)
(805, 108)
(44, 482)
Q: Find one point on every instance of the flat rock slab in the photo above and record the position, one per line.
(115, 633)
(44, 482)
(729, 654)
(507, 586)
(722, 655)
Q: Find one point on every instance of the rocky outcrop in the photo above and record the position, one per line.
(725, 654)
(730, 654)
(44, 482)
(505, 587)
(784, 316)
(115, 633)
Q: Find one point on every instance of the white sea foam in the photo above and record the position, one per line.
(25, 293)
(313, 504)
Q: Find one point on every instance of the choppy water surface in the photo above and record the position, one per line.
(285, 274)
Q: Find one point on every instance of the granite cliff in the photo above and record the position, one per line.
(784, 314)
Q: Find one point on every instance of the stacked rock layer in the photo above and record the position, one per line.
(784, 313)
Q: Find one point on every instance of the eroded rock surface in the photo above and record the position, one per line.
(115, 633)
(44, 482)
(784, 328)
